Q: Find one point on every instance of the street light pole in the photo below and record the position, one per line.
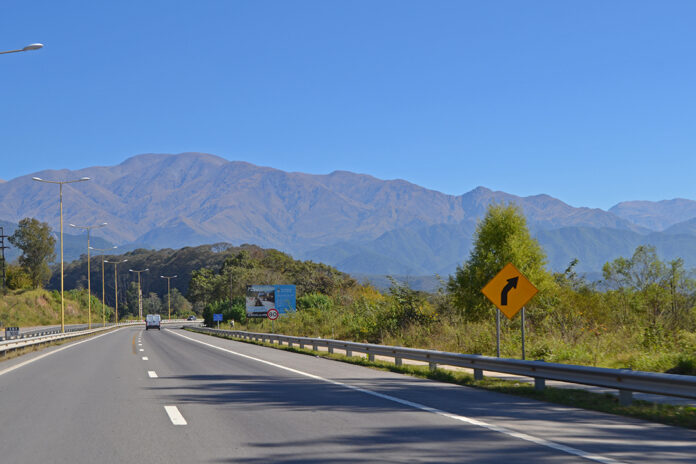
(34, 46)
(62, 299)
(140, 293)
(89, 284)
(116, 263)
(169, 295)
(103, 289)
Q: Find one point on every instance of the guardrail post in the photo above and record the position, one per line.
(478, 374)
(397, 361)
(539, 383)
(314, 346)
(289, 343)
(331, 349)
(370, 357)
(349, 353)
(302, 345)
(625, 397)
(432, 366)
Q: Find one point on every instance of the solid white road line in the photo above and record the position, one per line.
(145, 358)
(17, 366)
(152, 374)
(174, 415)
(422, 407)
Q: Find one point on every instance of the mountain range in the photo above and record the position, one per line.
(358, 223)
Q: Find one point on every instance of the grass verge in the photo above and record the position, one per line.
(682, 416)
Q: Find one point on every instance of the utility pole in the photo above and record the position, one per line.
(103, 288)
(140, 293)
(169, 294)
(2, 247)
(116, 263)
(89, 272)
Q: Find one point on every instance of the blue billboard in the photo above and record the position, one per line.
(261, 298)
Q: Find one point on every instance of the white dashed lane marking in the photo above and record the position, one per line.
(174, 415)
(145, 358)
(152, 374)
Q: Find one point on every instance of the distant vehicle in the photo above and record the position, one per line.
(152, 321)
(191, 318)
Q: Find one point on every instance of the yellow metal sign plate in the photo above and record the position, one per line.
(509, 290)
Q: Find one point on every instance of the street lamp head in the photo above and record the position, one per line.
(84, 178)
(37, 178)
(34, 46)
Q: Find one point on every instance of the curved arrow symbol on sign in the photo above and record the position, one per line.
(512, 283)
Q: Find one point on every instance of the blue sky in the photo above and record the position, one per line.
(593, 102)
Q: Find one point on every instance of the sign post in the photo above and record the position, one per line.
(272, 314)
(509, 291)
(217, 318)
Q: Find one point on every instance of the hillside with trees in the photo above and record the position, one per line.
(205, 274)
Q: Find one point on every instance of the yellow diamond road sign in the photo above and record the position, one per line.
(509, 290)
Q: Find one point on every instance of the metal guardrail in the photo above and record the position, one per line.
(626, 381)
(76, 328)
(39, 340)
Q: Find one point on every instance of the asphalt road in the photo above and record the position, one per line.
(102, 400)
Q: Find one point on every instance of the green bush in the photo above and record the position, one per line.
(234, 310)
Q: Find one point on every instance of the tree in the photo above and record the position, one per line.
(501, 237)
(180, 305)
(17, 278)
(38, 249)
(647, 286)
(152, 304)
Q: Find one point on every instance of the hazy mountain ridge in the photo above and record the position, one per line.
(656, 215)
(353, 221)
(236, 201)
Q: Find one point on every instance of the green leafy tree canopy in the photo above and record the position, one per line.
(38, 249)
(501, 237)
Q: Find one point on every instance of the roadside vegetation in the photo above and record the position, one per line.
(642, 315)
(33, 307)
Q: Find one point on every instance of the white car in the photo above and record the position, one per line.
(152, 321)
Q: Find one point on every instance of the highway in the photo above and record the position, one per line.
(166, 396)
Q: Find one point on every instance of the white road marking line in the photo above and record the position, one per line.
(175, 416)
(422, 407)
(17, 366)
(141, 349)
(145, 358)
(152, 374)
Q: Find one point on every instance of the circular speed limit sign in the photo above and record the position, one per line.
(273, 314)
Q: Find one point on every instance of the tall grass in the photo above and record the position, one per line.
(33, 307)
(365, 315)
